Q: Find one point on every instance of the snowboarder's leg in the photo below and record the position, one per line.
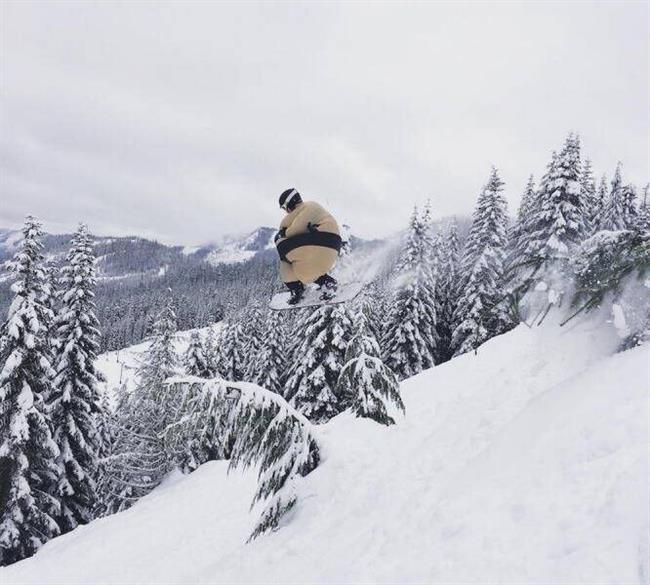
(287, 273)
(328, 285)
(297, 290)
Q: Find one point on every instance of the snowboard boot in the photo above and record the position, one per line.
(328, 287)
(297, 290)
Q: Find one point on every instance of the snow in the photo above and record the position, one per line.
(527, 462)
(229, 255)
(120, 367)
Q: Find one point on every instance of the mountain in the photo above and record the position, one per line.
(526, 462)
(136, 275)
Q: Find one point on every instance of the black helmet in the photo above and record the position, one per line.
(289, 199)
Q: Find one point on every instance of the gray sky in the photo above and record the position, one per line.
(185, 121)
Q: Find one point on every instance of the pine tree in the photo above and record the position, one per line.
(555, 226)
(139, 461)
(75, 403)
(600, 201)
(559, 224)
(28, 469)
(643, 216)
(231, 361)
(613, 216)
(196, 362)
(409, 340)
(211, 351)
(588, 196)
(49, 300)
(370, 385)
(253, 332)
(479, 314)
(311, 386)
(629, 206)
(271, 360)
(526, 209)
(447, 290)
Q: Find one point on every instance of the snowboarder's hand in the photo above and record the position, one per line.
(281, 234)
(312, 227)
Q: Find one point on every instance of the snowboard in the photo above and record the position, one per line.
(346, 292)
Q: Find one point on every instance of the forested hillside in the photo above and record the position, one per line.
(263, 388)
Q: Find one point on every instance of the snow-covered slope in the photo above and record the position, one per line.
(233, 250)
(526, 463)
(120, 367)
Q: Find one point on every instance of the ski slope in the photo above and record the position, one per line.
(526, 463)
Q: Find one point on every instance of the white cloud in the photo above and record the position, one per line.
(187, 120)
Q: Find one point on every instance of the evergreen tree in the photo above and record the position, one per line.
(588, 196)
(231, 361)
(270, 363)
(555, 226)
(370, 385)
(614, 211)
(526, 209)
(49, 300)
(253, 331)
(75, 403)
(629, 206)
(409, 341)
(28, 469)
(447, 290)
(479, 314)
(643, 216)
(559, 224)
(600, 201)
(138, 461)
(196, 362)
(211, 352)
(311, 386)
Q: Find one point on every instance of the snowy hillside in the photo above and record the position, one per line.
(233, 250)
(525, 463)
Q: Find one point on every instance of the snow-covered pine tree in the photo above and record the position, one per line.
(600, 201)
(629, 206)
(311, 384)
(371, 303)
(75, 401)
(271, 360)
(139, 461)
(643, 216)
(211, 352)
(554, 228)
(195, 360)
(613, 216)
(480, 314)
(559, 223)
(50, 301)
(371, 387)
(231, 362)
(447, 290)
(517, 237)
(588, 196)
(106, 433)
(253, 329)
(409, 341)
(28, 453)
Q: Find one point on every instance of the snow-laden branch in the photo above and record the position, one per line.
(252, 427)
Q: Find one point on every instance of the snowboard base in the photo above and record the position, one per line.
(346, 292)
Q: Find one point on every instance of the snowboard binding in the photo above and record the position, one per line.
(328, 286)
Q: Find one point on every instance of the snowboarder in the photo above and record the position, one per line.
(308, 243)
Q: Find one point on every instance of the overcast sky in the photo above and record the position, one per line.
(185, 121)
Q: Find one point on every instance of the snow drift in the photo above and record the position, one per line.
(525, 463)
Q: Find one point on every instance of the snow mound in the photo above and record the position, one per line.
(525, 463)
